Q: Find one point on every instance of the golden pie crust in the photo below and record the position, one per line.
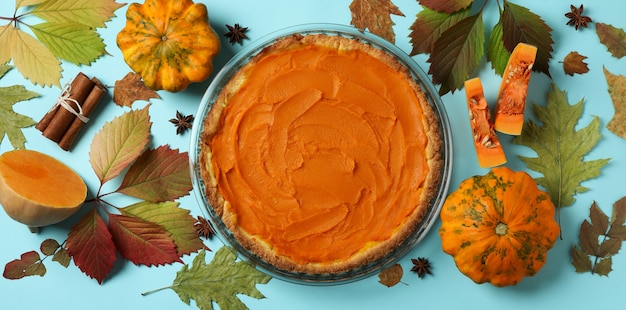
(321, 179)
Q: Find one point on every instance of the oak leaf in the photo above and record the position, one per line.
(613, 38)
(13, 122)
(130, 89)
(574, 63)
(375, 15)
(29, 264)
(617, 91)
(119, 143)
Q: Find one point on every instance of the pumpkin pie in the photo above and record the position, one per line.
(321, 154)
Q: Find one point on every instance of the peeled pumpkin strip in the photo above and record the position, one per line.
(509, 112)
(38, 190)
(489, 151)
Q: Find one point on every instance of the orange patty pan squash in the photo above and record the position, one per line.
(498, 227)
(169, 43)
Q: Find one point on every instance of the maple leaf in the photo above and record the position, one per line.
(560, 147)
(457, 52)
(11, 122)
(617, 91)
(29, 264)
(391, 276)
(220, 281)
(119, 143)
(130, 89)
(521, 25)
(160, 174)
(428, 26)
(574, 63)
(176, 221)
(142, 242)
(375, 15)
(90, 245)
(447, 6)
(613, 38)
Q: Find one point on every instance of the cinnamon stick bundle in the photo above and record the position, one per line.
(71, 111)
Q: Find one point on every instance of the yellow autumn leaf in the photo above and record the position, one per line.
(5, 53)
(22, 3)
(32, 59)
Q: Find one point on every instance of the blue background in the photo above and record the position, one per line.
(556, 286)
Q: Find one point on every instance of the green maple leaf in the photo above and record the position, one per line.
(220, 281)
(561, 148)
(10, 121)
(457, 53)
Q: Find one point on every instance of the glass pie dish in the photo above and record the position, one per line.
(417, 233)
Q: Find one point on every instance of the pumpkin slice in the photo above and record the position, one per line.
(488, 148)
(38, 190)
(498, 227)
(509, 112)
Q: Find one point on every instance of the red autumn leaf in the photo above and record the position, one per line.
(160, 174)
(89, 243)
(375, 15)
(29, 264)
(447, 6)
(119, 143)
(173, 219)
(142, 242)
(130, 89)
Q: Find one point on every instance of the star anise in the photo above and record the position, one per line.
(421, 265)
(236, 33)
(182, 122)
(577, 18)
(203, 228)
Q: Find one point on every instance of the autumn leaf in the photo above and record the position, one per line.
(176, 221)
(90, 245)
(457, 53)
(574, 63)
(613, 38)
(73, 42)
(12, 122)
(51, 247)
(160, 174)
(391, 276)
(497, 54)
(521, 25)
(428, 26)
(561, 148)
(375, 15)
(92, 13)
(119, 143)
(23, 3)
(31, 58)
(446, 6)
(617, 91)
(142, 242)
(29, 264)
(220, 281)
(130, 89)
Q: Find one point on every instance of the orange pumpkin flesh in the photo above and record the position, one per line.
(488, 148)
(509, 112)
(498, 227)
(38, 190)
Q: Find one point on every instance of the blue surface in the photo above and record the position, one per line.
(556, 285)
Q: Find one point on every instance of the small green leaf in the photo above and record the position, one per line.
(10, 121)
(580, 260)
(603, 267)
(76, 43)
(497, 54)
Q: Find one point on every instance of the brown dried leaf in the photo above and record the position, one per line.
(62, 257)
(609, 247)
(391, 276)
(588, 238)
(375, 15)
(617, 91)
(49, 246)
(130, 89)
(580, 260)
(574, 63)
(613, 38)
(599, 220)
(603, 267)
(29, 264)
(618, 217)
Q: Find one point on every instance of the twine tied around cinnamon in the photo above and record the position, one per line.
(63, 102)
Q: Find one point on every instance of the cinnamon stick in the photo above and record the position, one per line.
(88, 106)
(57, 124)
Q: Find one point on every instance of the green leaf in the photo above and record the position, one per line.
(521, 25)
(603, 267)
(76, 43)
(497, 54)
(31, 58)
(23, 3)
(457, 53)
(580, 260)
(560, 147)
(428, 26)
(4, 69)
(119, 143)
(93, 13)
(10, 121)
(613, 38)
(176, 221)
(220, 281)
(157, 175)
